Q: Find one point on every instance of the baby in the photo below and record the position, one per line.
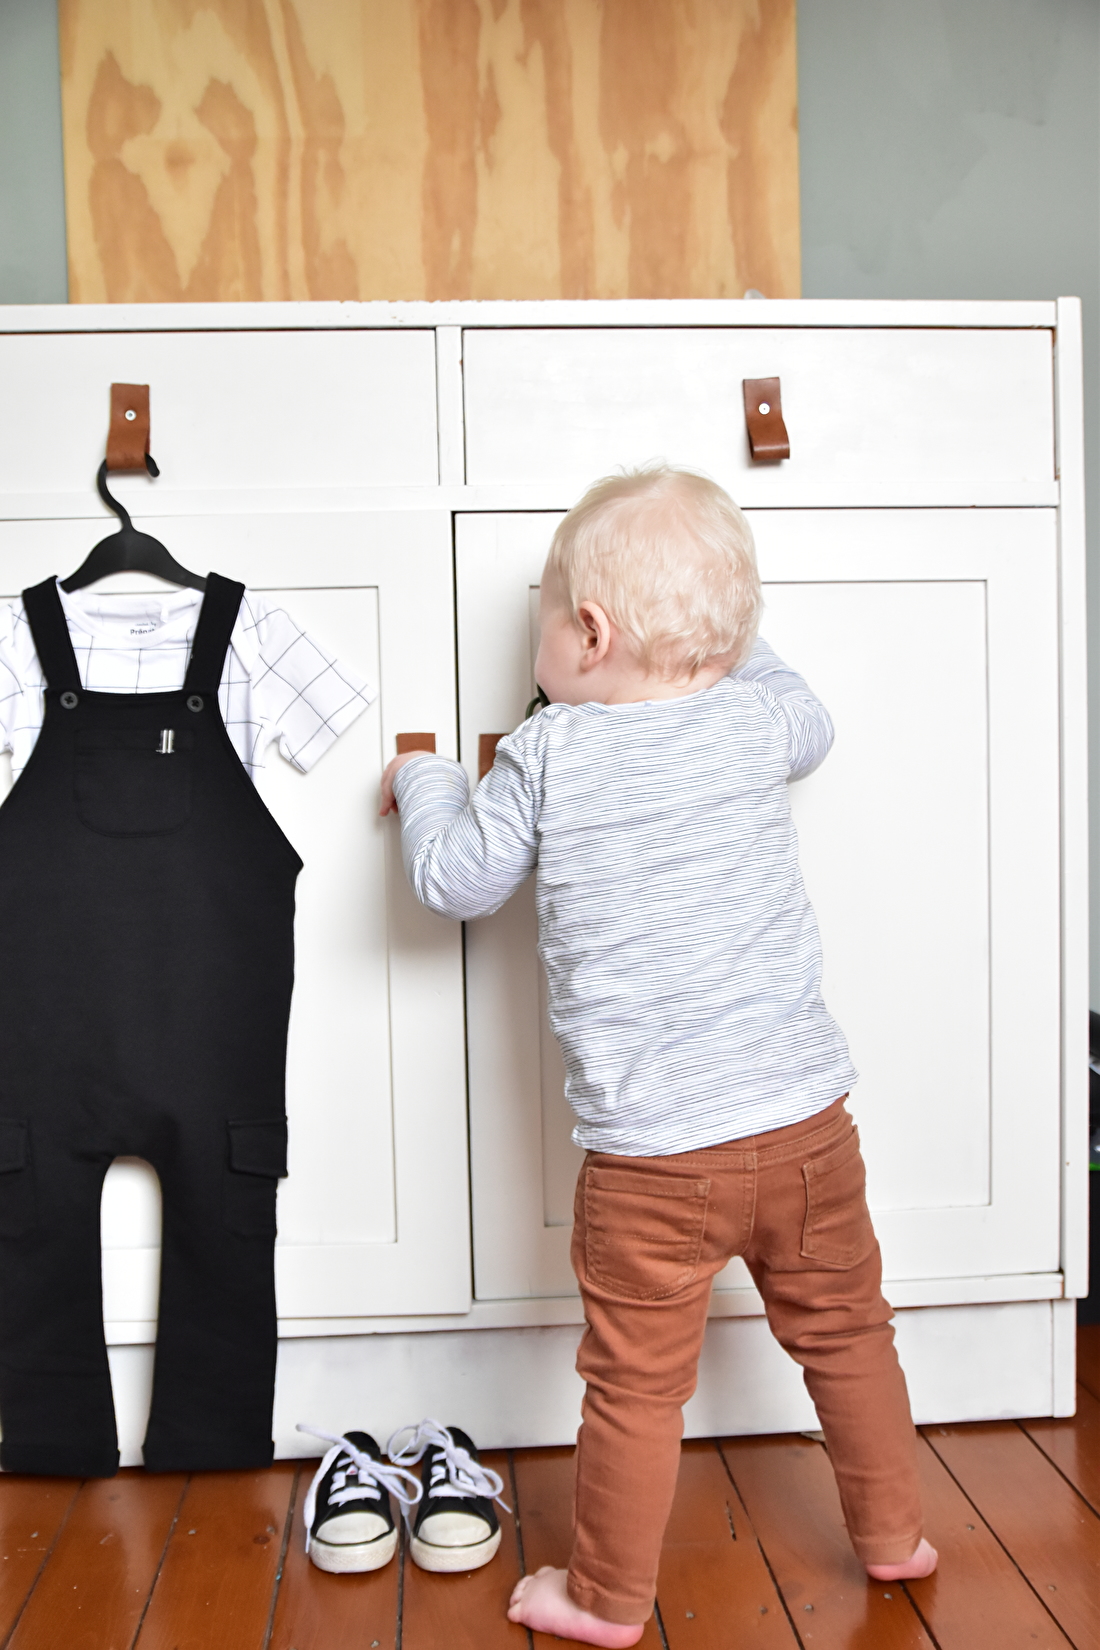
(684, 971)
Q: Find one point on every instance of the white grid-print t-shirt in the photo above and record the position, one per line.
(278, 682)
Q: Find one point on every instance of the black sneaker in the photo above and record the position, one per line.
(348, 1518)
(456, 1527)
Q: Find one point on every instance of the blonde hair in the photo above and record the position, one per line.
(670, 558)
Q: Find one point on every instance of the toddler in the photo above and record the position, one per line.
(684, 969)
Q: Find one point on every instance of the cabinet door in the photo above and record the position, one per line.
(929, 841)
(373, 1219)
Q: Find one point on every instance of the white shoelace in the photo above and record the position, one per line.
(367, 1473)
(455, 1472)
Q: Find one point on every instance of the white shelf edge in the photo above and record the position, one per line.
(1070, 456)
(472, 500)
(552, 312)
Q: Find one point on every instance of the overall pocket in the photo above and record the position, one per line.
(837, 1230)
(643, 1230)
(256, 1164)
(133, 781)
(17, 1199)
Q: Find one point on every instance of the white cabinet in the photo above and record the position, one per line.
(396, 470)
(929, 841)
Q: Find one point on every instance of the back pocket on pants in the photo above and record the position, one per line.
(837, 1229)
(643, 1230)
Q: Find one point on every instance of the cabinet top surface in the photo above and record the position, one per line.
(687, 312)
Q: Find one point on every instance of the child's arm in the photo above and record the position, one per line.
(808, 722)
(464, 856)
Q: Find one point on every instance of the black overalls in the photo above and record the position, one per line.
(146, 964)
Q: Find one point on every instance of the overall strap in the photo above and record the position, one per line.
(52, 641)
(217, 616)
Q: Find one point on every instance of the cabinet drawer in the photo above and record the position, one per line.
(930, 416)
(230, 411)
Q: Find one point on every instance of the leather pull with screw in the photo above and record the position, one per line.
(768, 438)
(128, 435)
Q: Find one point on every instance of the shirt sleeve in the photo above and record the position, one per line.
(16, 654)
(304, 696)
(465, 855)
(809, 725)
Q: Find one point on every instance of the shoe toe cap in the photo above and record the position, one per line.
(454, 1529)
(352, 1528)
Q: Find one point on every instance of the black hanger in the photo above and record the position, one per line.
(129, 551)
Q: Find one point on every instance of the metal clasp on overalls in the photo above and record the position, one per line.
(167, 742)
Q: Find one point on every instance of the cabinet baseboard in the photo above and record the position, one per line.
(516, 1387)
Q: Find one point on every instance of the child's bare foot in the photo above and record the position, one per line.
(922, 1563)
(542, 1603)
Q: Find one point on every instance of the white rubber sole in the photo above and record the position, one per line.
(453, 1560)
(355, 1557)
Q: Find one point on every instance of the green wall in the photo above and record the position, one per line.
(32, 187)
(951, 149)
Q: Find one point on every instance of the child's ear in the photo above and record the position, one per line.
(595, 633)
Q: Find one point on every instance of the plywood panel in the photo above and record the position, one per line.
(269, 149)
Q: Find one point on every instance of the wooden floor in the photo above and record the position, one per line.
(755, 1555)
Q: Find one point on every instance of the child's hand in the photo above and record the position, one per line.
(389, 801)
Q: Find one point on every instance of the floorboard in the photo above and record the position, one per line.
(32, 1511)
(216, 1586)
(544, 1486)
(1052, 1534)
(93, 1592)
(790, 1495)
(714, 1587)
(317, 1611)
(1074, 1445)
(1088, 1357)
(755, 1554)
(465, 1611)
(977, 1595)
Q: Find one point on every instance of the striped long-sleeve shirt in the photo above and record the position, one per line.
(681, 951)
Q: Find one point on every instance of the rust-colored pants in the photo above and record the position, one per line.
(650, 1234)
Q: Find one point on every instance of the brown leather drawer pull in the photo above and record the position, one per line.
(486, 752)
(128, 434)
(768, 438)
(415, 742)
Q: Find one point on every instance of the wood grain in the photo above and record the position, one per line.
(272, 149)
(790, 1494)
(544, 1488)
(32, 1511)
(317, 1611)
(93, 1592)
(714, 1587)
(977, 1595)
(216, 1585)
(465, 1612)
(1074, 1446)
(1052, 1534)
(1088, 1357)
